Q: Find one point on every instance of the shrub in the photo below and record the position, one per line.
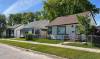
(29, 36)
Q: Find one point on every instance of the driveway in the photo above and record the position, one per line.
(8, 52)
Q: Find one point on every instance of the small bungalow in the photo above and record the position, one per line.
(36, 28)
(65, 27)
(14, 31)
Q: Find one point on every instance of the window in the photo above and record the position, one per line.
(72, 25)
(49, 30)
(72, 31)
(37, 31)
(61, 30)
(33, 31)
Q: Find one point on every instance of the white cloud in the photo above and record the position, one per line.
(20, 5)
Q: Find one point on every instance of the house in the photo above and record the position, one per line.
(98, 27)
(98, 30)
(36, 28)
(65, 27)
(14, 31)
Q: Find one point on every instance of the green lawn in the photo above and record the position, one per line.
(62, 52)
(42, 40)
(80, 44)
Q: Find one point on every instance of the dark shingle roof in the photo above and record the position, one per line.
(67, 19)
(37, 24)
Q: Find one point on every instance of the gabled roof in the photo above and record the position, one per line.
(64, 20)
(14, 27)
(38, 24)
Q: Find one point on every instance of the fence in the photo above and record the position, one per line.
(94, 39)
(88, 38)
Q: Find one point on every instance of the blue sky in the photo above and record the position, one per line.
(16, 6)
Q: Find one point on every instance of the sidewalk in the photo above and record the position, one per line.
(62, 46)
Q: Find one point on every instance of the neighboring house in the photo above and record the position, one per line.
(66, 26)
(14, 31)
(35, 28)
(98, 27)
(98, 30)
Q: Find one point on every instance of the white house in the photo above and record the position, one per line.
(36, 28)
(14, 31)
(66, 26)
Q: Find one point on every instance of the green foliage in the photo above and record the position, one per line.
(27, 17)
(2, 24)
(56, 8)
(42, 40)
(29, 36)
(80, 44)
(14, 19)
(84, 26)
(21, 18)
(62, 52)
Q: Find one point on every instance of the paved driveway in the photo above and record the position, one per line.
(7, 52)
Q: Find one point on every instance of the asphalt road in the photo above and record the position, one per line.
(8, 52)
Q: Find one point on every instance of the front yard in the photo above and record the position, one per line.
(80, 44)
(62, 52)
(42, 40)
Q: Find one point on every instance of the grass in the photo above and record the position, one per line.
(42, 40)
(62, 52)
(80, 44)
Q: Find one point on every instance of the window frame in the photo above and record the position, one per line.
(58, 30)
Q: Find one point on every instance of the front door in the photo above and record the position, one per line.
(73, 35)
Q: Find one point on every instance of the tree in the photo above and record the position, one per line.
(15, 19)
(2, 24)
(84, 25)
(57, 8)
(21, 18)
(27, 17)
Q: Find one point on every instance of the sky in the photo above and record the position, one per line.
(19, 6)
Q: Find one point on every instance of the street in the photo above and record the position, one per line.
(8, 52)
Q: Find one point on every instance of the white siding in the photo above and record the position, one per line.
(17, 31)
(69, 28)
(71, 31)
(92, 20)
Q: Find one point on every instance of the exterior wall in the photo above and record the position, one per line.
(70, 28)
(4, 33)
(26, 30)
(70, 31)
(43, 33)
(92, 20)
(17, 32)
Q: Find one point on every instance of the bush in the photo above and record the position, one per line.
(29, 36)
